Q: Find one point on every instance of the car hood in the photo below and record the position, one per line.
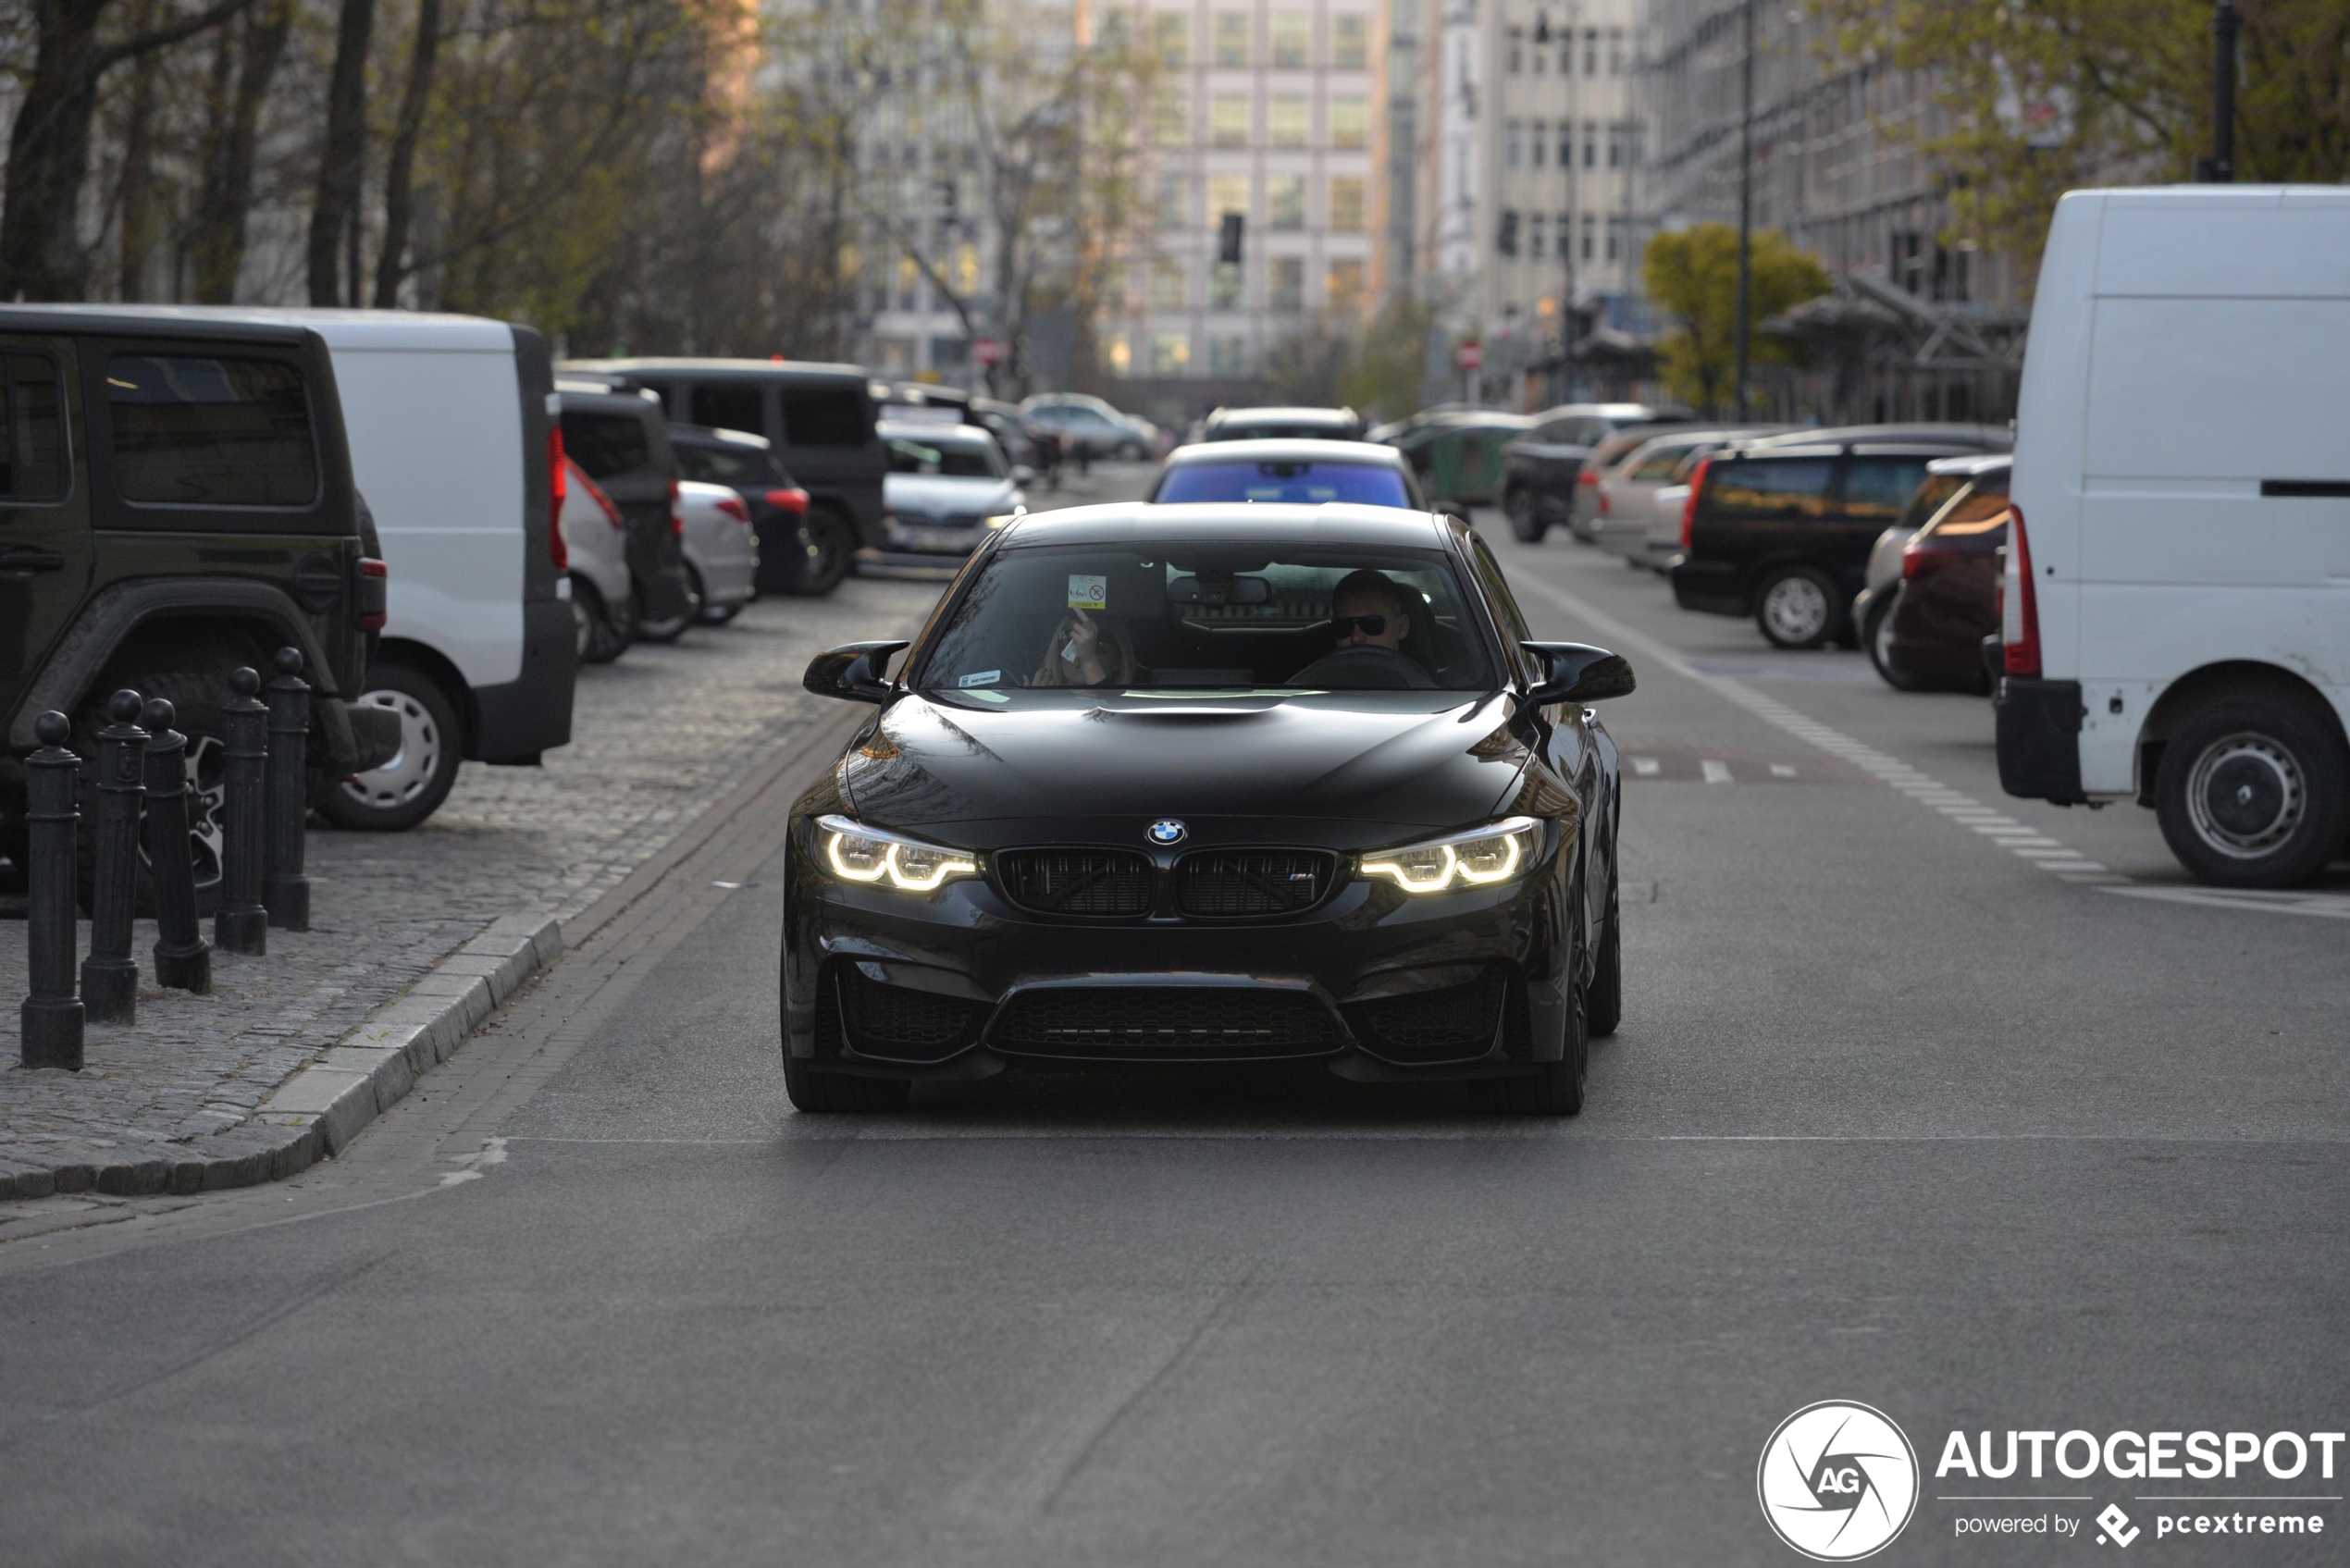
(936, 495)
(1366, 766)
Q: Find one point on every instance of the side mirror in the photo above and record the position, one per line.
(853, 670)
(1023, 475)
(1578, 673)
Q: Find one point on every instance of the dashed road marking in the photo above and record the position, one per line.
(1782, 770)
(1647, 767)
(2026, 844)
(1716, 771)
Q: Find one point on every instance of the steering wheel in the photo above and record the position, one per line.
(1366, 666)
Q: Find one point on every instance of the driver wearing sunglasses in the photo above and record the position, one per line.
(1368, 610)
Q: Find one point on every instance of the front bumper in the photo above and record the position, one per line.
(1371, 982)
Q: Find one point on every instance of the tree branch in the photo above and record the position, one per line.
(170, 32)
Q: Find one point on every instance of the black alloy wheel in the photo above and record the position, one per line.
(831, 550)
(2255, 792)
(197, 703)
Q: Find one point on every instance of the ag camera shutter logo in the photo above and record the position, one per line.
(1837, 1481)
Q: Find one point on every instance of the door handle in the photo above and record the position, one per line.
(23, 558)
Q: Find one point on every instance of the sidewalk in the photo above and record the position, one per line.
(416, 937)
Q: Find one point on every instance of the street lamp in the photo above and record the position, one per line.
(2219, 168)
(1572, 218)
(1746, 198)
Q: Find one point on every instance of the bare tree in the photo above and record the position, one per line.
(244, 65)
(341, 156)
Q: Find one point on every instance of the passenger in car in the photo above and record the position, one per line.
(1075, 655)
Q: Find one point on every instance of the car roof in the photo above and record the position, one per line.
(1647, 411)
(713, 436)
(1969, 465)
(1330, 522)
(931, 430)
(1979, 436)
(1301, 413)
(777, 368)
(153, 321)
(1287, 449)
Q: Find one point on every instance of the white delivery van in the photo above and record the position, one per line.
(452, 427)
(2177, 601)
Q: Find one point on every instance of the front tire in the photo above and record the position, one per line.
(2254, 791)
(1876, 635)
(1605, 1008)
(1796, 608)
(1526, 523)
(670, 627)
(832, 551)
(198, 702)
(417, 778)
(1553, 1089)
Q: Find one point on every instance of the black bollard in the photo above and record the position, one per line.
(109, 977)
(51, 1016)
(284, 890)
(183, 958)
(243, 924)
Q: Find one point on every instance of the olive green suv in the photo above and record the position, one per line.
(175, 500)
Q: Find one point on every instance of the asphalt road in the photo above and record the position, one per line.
(1897, 1115)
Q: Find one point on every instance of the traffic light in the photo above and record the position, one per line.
(1228, 241)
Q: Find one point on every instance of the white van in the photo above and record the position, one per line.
(451, 429)
(2177, 602)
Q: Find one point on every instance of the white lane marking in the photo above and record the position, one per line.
(1716, 773)
(1888, 770)
(493, 1152)
(2324, 906)
(1647, 767)
(1782, 771)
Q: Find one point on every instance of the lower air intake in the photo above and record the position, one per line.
(1165, 1023)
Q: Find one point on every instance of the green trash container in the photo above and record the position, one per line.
(1464, 458)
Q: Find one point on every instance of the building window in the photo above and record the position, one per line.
(1285, 201)
(1614, 146)
(1170, 353)
(1228, 121)
(1616, 51)
(1590, 236)
(1289, 31)
(1512, 134)
(909, 282)
(1346, 202)
(1591, 51)
(1350, 122)
(1289, 120)
(1614, 239)
(1517, 49)
(1225, 193)
(1591, 143)
(1225, 286)
(1166, 283)
(1121, 356)
(1566, 143)
(1172, 37)
(1349, 42)
(1346, 285)
(1506, 237)
(1228, 356)
(1231, 37)
(1539, 143)
(1534, 228)
(1289, 284)
(1171, 120)
(1174, 205)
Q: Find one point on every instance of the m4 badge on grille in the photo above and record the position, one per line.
(1167, 830)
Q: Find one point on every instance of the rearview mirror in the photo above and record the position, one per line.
(1219, 588)
(1578, 673)
(853, 670)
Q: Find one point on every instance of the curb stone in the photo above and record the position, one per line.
(316, 1112)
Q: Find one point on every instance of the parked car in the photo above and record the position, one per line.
(1780, 529)
(175, 502)
(920, 403)
(1933, 632)
(1281, 424)
(1003, 421)
(721, 547)
(2174, 627)
(1458, 456)
(945, 482)
(595, 551)
(621, 442)
(1544, 467)
(789, 552)
(1622, 493)
(1583, 509)
(1297, 470)
(820, 418)
(1091, 427)
(1983, 476)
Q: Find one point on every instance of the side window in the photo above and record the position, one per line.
(605, 444)
(1767, 487)
(33, 429)
(827, 417)
(191, 431)
(1659, 469)
(1881, 487)
(1497, 593)
(735, 405)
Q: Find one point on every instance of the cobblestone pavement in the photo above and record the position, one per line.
(655, 737)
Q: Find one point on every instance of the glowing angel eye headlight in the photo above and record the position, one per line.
(856, 853)
(1478, 859)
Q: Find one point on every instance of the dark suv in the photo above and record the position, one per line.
(175, 500)
(1780, 529)
(820, 418)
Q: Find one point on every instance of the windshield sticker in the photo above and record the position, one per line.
(1088, 593)
(984, 678)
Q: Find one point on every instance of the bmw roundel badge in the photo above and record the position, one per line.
(1167, 830)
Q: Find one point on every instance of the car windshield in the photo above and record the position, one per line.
(1364, 484)
(1211, 616)
(952, 460)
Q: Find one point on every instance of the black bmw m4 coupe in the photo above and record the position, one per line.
(1213, 783)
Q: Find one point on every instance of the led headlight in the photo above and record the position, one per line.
(1478, 857)
(854, 852)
